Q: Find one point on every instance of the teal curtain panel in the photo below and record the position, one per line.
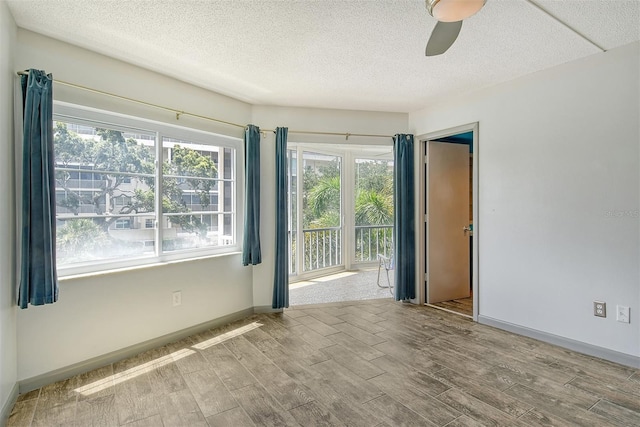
(404, 221)
(281, 275)
(38, 277)
(251, 239)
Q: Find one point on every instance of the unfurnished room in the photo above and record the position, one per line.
(319, 212)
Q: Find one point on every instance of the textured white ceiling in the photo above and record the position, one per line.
(364, 55)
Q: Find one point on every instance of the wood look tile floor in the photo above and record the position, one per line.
(363, 363)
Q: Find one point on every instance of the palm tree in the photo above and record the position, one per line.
(324, 201)
(373, 208)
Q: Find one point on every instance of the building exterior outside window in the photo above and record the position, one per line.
(115, 182)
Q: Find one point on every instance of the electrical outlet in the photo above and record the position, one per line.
(622, 313)
(177, 298)
(599, 309)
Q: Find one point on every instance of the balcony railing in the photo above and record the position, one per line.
(322, 248)
(372, 240)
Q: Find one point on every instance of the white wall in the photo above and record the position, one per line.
(99, 314)
(8, 352)
(559, 196)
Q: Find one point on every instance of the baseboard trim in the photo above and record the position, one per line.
(38, 381)
(266, 309)
(8, 404)
(580, 347)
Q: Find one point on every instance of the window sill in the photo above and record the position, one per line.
(143, 266)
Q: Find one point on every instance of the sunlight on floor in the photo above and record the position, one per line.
(121, 377)
(322, 279)
(227, 336)
(343, 286)
(336, 276)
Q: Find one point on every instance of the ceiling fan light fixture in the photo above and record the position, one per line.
(453, 10)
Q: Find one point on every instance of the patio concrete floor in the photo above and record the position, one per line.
(343, 286)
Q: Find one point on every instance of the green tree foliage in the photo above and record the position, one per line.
(374, 176)
(79, 238)
(321, 196)
(373, 199)
(374, 193)
(188, 162)
(373, 208)
(115, 158)
(324, 202)
(110, 153)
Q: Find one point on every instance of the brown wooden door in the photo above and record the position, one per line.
(448, 272)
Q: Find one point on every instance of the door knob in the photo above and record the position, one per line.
(465, 229)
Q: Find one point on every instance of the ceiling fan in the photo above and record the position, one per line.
(449, 14)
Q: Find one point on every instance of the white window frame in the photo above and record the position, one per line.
(88, 116)
(353, 155)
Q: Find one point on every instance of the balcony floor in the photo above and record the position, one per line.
(343, 286)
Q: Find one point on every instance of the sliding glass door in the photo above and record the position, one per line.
(315, 211)
(340, 207)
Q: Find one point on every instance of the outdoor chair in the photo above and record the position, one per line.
(386, 262)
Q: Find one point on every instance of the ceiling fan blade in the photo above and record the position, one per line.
(442, 37)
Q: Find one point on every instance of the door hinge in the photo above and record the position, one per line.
(426, 218)
(426, 277)
(425, 159)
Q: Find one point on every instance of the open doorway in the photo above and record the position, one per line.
(449, 187)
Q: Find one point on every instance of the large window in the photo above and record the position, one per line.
(132, 192)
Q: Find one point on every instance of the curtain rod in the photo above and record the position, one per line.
(345, 134)
(179, 113)
(148, 104)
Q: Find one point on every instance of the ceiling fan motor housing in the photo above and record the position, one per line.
(453, 10)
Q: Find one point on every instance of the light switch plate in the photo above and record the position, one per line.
(622, 314)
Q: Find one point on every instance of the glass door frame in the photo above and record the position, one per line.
(348, 157)
(300, 149)
(353, 155)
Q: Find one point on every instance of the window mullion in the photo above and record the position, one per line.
(300, 243)
(235, 224)
(159, 225)
(348, 209)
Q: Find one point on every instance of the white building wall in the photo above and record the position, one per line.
(8, 310)
(559, 180)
